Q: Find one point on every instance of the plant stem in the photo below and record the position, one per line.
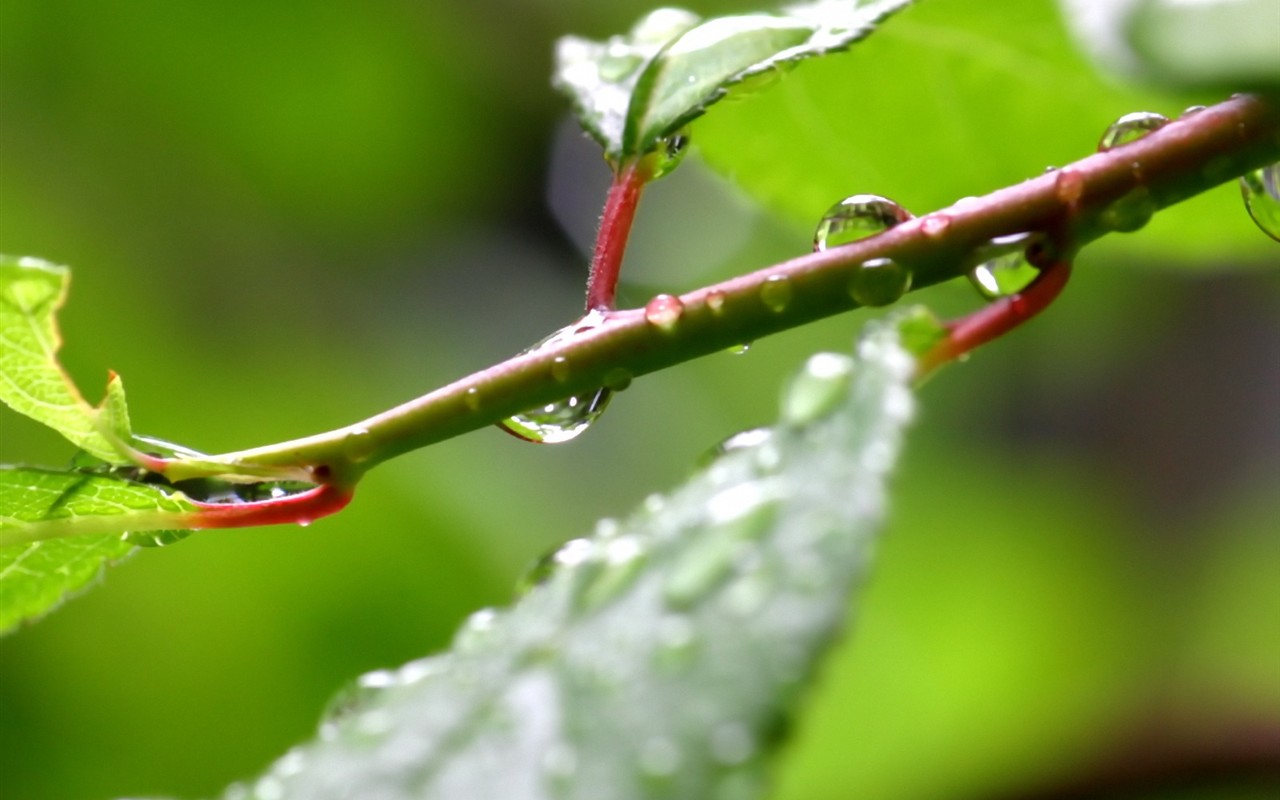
(615, 228)
(1106, 192)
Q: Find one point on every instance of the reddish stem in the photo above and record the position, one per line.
(302, 508)
(611, 239)
(999, 317)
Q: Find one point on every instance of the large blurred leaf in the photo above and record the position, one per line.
(660, 657)
(57, 529)
(32, 382)
(632, 91)
(955, 98)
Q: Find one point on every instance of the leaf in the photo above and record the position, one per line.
(955, 99)
(58, 529)
(32, 382)
(662, 656)
(633, 91)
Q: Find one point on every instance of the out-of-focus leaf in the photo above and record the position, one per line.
(954, 99)
(660, 657)
(1220, 44)
(632, 91)
(32, 382)
(57, 529)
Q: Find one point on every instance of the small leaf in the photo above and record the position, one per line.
(633, 91)
(58, 529)
(662, 656)
(32, 382)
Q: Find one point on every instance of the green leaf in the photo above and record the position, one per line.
(955, 99)
(32, 382)
(633, 91)
(58, 529)
(663, 655)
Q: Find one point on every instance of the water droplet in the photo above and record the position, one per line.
(857, 217)
(740, 441)
(664, 311)
(569, 555)
(738, 349)
(155, 538)
(623, 558)
(472, 399)
(1005, 269)
(1130, 212)
(358, 445)
(817, 389)
(480, 629)
(715, 301)
(1261, 191)
(775, 293)
(617, 379)
(560, 369)
(732, 743)
(1130, 128)
(659, 757)
(879, 282)
(935, 225)
(564, 419)
(1069, 186)
(669, 153)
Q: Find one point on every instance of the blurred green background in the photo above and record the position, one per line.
(288, 215)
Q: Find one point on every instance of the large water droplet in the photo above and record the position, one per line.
(564, 419)
(738, 349)
(879, 282)
(776, 293)
(664, 311)
(1131, 127)
(817, 389)
(1261, 190)
(857, 217)
(1007, 271)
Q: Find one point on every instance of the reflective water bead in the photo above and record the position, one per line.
(564, 419)
(1131, 127)
(857, 217)
(560, 421)
(155, 538)
(1261, 191)
(1007, 271)
(879, 282)
(738, 349)
(664, 311)
(1130, 212)
(715, 301)
(617, 379)
(776, 293)
(669, 153)
(358, 445)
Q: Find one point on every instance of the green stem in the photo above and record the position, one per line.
(1100, 194)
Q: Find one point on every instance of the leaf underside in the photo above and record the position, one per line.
(632, 91)
(661, 656)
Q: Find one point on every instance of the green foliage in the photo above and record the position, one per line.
(32, 382)
(633, 91)
(60, 528)
(662, 656)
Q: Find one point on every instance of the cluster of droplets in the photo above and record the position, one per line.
(878, 281)
(565, 419)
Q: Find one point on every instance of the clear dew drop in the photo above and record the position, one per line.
(935, 225)
(1130, 128)
(472, 399)
(155, 538)
(664, 311)
(358, 445)
(738, 349)
(565, 419)
(879, 282)
(776, 293)
(857, 217)
(669, 153)
(1261, 191)
(1007, 271)
(817, 389)
(715, 301)
(617, 379)
(571, 554)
